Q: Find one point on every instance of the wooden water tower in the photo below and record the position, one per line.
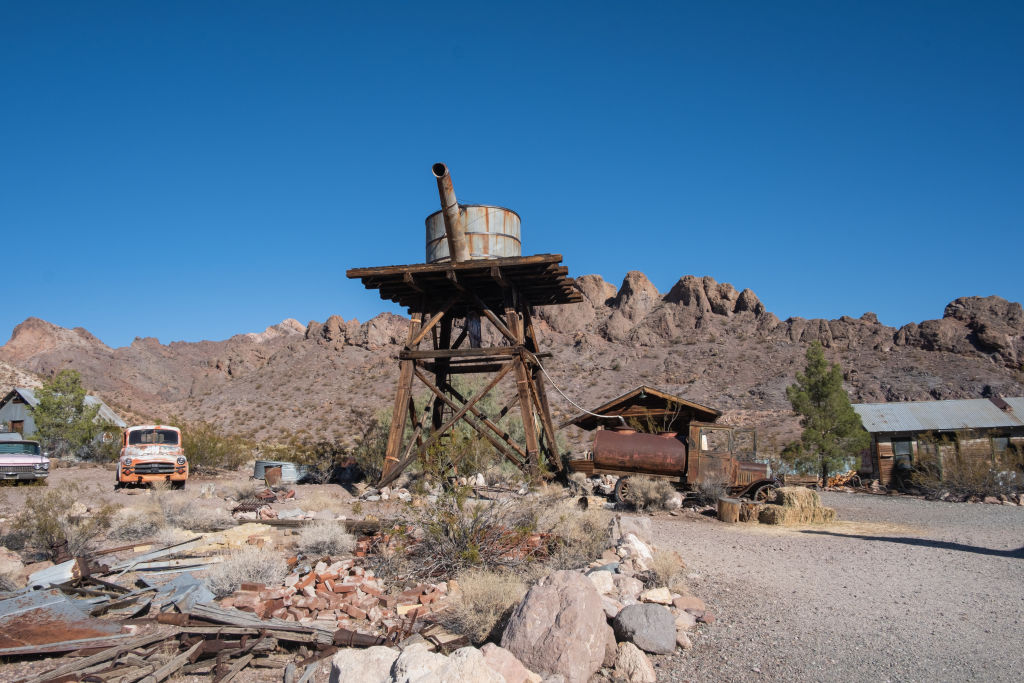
(474, 271)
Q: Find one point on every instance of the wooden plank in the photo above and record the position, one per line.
(239, 664)
(485, 265)
(488, 352)
(172, 666)
(404, 391)
(105, 655)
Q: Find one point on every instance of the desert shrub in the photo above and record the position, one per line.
(577, 536)
(483, 604)
(131, 524)
(325, 538)
(323, 500)
(369, 451)
(710, 489)
(177, 511)
(248, 564)
(669, 568)
(207, 446)
(246, 490)
(52, 522)
(649, 493)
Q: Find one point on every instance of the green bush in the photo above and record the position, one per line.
(50, 522)
(648, 493)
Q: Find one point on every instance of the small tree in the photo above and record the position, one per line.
(65, 424)
(832, 428)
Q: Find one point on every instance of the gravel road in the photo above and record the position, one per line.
(900, 590)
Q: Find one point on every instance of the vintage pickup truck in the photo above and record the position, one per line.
(707, 453)
(151, 454)
(21, 459)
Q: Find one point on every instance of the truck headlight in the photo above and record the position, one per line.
(126, 461)
(181, 459)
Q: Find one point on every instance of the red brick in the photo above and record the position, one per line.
(251, 586)
(368, 587)
(344, 588)
(388, 601)
(272, 594)
(428, 598)
(307, 580)
(355, 612)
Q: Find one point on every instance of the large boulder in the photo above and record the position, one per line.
(416, 664)
(465, 664)
(559, 628)
(648, 626)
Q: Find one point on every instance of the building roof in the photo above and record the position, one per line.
(105, 414)
(926, 416)
(645, 401)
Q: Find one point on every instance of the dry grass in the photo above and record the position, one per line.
(135, 524)
(248, 564)
(325, 538)
(580, 535)
(323, 500)
(648, 493)
(186, 513)
(52, 522)
(483, 604)
(669, 568)
(709, 490)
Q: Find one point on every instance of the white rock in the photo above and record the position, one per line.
(661, 595)
(603, 581)
(505, 663)
(683, 640)
(370, 665)
(415, 664)
(611, 606)
(627, 586)
(465, 664)
(685, 621)
(636, 548)
(632, 665)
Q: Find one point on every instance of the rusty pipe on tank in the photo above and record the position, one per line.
(454, 226)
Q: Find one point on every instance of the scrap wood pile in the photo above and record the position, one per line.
(106, 631)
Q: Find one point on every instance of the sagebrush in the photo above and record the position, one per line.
(649, 493)
(483, 604)
(325, 537)
(55, 522)
(246, 565)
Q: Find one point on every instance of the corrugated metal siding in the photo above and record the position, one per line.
(924, 416)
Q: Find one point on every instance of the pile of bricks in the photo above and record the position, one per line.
(340, 595)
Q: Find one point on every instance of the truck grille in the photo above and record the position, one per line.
(10, 469)
(154, 468)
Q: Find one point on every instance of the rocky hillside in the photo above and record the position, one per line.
(702, 339)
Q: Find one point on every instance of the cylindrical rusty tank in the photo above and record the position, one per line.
(639, 453)
(471, 231)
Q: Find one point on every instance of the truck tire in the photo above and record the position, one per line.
(178, 485)
(621, 490)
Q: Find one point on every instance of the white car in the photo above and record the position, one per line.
(21, 459)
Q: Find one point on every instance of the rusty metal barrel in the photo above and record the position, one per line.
(469, 231)
(639, 453)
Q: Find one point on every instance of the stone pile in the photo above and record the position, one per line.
(340, 594)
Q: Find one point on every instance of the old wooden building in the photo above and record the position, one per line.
(903, 434)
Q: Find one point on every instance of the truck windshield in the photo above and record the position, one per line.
(19, 447)
(151, 436)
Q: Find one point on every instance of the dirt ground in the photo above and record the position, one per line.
(901, 589)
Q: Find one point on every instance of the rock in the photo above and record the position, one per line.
(633, 666)
(505, 663)
(661, 596)
(991, 500)
(683, 640)
(611, 650)
(10, 562)
(611, 607)
(685, 602)
(648, 626)
(635, 548)
(559, 627)
(372, 665)
(416, 664)
(638, 526)
(602, 581)
(674, 502)
(706, 618)
(685, 621)
(465, 664)
(627, 586)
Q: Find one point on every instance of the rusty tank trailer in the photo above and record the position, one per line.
(707, 453)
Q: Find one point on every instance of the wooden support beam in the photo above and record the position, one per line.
(502, 442)
(489, 352)
(429, 326)
(397, 468)
(402, 396)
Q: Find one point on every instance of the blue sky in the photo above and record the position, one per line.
(192, 170)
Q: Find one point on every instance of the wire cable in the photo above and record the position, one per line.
(576, 405)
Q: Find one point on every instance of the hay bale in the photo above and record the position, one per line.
(796, 505)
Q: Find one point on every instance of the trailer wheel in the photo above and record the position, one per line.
(622, 489)
(765, 493)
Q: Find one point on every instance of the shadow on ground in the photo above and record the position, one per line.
(927, 543)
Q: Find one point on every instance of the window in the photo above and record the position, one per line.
(149, 436)
(1000, 443)
(714, 440)
(902, 451)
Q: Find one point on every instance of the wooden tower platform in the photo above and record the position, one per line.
(439, 297)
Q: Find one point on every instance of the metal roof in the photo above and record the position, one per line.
(636, 398)
(105, 414)
(924, 416)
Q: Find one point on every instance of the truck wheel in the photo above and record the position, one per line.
(178, 485)
(765, 493)
(621, 489)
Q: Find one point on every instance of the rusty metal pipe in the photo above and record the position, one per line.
(454, 226)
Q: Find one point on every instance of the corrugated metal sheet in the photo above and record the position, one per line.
(105, 414)
(924, 416)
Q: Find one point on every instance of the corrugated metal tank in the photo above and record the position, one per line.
(290, 472)
(492, 232)
(640, 453)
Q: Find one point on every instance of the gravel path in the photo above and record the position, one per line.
(900, 590)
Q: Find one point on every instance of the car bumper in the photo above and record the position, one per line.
(132, 477)
(22, 476)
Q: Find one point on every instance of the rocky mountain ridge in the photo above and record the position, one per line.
(702, 339)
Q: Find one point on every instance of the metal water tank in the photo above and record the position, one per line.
(491, 231)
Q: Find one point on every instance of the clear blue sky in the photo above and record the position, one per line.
(192, 170)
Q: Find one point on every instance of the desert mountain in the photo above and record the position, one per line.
(702, 339)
